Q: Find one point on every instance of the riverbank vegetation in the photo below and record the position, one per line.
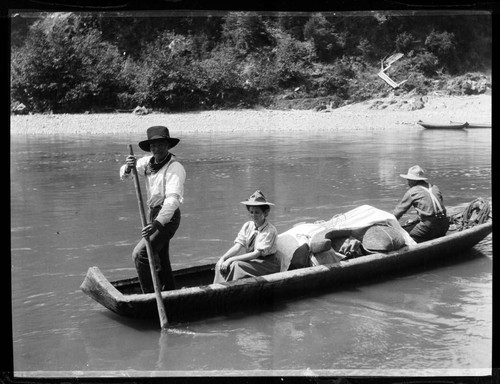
(76, 62)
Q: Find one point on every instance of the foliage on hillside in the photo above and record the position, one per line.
(67, 62)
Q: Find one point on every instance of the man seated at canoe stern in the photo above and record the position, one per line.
(428, 201)
(258, 239)
(165, 178)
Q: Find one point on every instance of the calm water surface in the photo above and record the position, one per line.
(70, 211)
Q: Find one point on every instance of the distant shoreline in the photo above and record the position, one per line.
(372, 114)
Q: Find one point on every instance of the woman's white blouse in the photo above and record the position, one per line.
(265, 242)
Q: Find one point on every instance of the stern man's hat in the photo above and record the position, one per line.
(415, 173)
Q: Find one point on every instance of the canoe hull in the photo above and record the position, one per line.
(214, 299)
(427, 125)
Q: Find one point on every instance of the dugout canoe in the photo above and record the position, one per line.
(451, 125)
(199, 298)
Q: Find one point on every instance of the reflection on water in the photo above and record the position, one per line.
(69, 211)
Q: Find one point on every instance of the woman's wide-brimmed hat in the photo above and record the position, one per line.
(256, 199)
(158, 133)
(415, 173)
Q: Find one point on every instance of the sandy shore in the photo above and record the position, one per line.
(373, 114)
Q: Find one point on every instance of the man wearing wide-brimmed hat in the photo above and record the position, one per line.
(257, 238)
(428, 202)
(165, 178)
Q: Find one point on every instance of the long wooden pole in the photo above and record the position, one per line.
(156, 282)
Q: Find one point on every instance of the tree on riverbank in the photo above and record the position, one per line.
(69, 62)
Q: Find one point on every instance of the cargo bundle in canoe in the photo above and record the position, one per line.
(199, 298)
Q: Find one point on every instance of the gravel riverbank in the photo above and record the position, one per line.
(372, 114)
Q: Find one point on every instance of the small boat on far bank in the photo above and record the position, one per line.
(450, 125)
(474, 125)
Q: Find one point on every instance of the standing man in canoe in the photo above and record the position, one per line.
(165, 178)
(428, 201)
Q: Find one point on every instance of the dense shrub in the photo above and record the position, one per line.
(259, 73)
(404, 42)
(65, 66)
(135, 92)
(291, 59)
(222, 79)
(167, 74)
(245, 31)
(426, 63)
(419, 84)
(323, 36)
(443, 46)
(365, 48)
(334, 82)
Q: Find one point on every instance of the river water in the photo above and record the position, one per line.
(70, 211)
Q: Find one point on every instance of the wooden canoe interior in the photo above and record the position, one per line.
(188, 277)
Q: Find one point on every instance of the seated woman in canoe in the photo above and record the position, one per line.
(258, 239)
